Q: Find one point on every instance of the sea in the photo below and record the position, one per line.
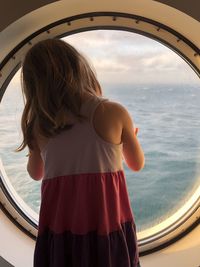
(169, 129)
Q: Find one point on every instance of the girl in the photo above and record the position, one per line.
(76, 140)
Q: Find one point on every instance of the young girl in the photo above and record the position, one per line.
(76, 140)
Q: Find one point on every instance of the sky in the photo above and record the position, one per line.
(121, 57)
(125, 57)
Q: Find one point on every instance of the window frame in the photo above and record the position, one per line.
(168, 231)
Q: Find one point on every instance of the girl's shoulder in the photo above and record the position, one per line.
(112, 111)
(108, 121)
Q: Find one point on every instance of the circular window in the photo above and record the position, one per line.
(162, 94)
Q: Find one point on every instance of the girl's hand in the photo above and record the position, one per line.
(132, 150)
(35, 165)
(136, 131)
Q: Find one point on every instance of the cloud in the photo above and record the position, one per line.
(110, 36)
(120, 50)
(165, 61)
(124, 57)
(107, 65)
(16, 80)
(121, 40)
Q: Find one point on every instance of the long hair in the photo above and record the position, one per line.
(54, 77)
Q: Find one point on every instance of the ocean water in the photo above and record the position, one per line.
(169, 131)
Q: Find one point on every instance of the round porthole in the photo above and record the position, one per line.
(166, 107)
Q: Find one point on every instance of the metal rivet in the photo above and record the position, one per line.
(114, 18)
(158, 29)
(68, 23)
(178, 40)
(91, 19)
(137, 21)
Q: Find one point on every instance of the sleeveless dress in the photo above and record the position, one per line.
(85, 216)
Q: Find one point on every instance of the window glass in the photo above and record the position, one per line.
(13, 162)
(162, 94)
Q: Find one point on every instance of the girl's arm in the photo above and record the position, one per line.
(132, 151)
(113, 123)
(35, 166)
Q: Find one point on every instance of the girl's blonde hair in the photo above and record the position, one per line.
(54, 77)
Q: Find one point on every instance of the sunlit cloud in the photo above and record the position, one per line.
(123, 57)
(107, 65)
(17, 79)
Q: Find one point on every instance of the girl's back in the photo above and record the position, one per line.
(81, 149)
